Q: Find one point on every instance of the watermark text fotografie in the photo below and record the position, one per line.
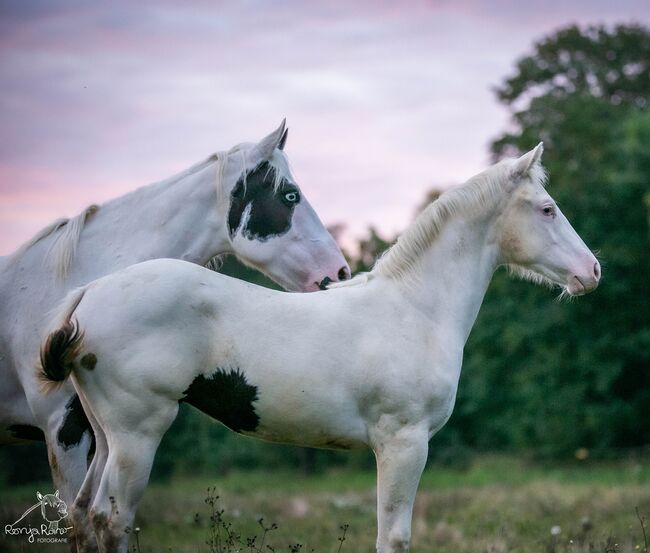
(40, 534)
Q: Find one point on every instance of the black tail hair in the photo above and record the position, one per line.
(62, 345)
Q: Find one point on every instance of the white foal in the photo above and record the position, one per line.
(242, 201)
(370, 363)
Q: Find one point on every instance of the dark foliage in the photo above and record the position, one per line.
(554, 377)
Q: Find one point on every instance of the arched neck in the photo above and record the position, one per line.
(451, 278)
(180, 219)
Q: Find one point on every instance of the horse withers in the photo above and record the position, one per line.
(373, 362)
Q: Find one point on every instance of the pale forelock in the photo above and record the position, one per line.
(480, 194)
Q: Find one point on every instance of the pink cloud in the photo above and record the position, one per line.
(384, 100)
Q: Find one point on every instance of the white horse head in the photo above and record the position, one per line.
(271, 225)
(536, 240)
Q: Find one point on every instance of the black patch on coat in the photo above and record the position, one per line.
(75, 423)
(26, 432)
(88, 361)
(271, 210)
(227, 397)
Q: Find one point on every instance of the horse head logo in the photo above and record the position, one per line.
(53, 508)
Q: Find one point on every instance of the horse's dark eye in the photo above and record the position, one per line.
(548, 210)
(291, 197)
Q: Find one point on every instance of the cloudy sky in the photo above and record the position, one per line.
(384, 99)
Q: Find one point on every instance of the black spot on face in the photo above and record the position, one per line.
(227, 397)
(26, 432)
(88, 361)
(75, 423)
(270, 209)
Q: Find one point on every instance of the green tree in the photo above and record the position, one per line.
(369, 250)
(572, 70)
(557, 376)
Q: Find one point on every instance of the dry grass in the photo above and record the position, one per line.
(497, 506)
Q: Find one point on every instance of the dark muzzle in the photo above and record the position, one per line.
(325, 283)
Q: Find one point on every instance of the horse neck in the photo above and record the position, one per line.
(179, 219)
(452, 276)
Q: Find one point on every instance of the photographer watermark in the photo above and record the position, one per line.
(53, 511)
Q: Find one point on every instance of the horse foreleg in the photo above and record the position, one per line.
(400, 460)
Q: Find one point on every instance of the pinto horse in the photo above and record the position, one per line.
(243, 201)
(373, 362)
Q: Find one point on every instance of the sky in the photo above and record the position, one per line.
(384, 99)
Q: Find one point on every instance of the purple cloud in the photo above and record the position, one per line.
(384, 99)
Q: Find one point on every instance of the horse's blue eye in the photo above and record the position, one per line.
(291, 197)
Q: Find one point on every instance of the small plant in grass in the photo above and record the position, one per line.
(344, 530)
(222, 537)
(642, 523)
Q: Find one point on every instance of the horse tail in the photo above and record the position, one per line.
(62, 345)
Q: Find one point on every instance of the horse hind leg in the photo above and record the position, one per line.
(123, 481)
(84, 531)
(68, 438)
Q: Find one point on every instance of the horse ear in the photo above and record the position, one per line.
(525, 163)
(39, 496)
(283, 140)
(56, 494)
(263, 150)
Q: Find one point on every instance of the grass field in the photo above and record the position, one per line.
(496, 505)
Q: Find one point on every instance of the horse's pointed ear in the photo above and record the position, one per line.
(263, 150)
(39, 496)
(56, 494)
(525, 163)
(283, 140)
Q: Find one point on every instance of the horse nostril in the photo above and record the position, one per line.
(597, 270)
(323, 283)
(343, 273)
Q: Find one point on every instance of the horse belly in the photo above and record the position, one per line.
(297, 417)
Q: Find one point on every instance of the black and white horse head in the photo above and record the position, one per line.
(271, 224)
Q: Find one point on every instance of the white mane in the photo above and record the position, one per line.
(479, 194)
(67, 232)
(64, 248)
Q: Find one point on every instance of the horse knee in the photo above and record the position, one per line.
(399, 540)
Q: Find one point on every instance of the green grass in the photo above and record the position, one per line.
(496, 505)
